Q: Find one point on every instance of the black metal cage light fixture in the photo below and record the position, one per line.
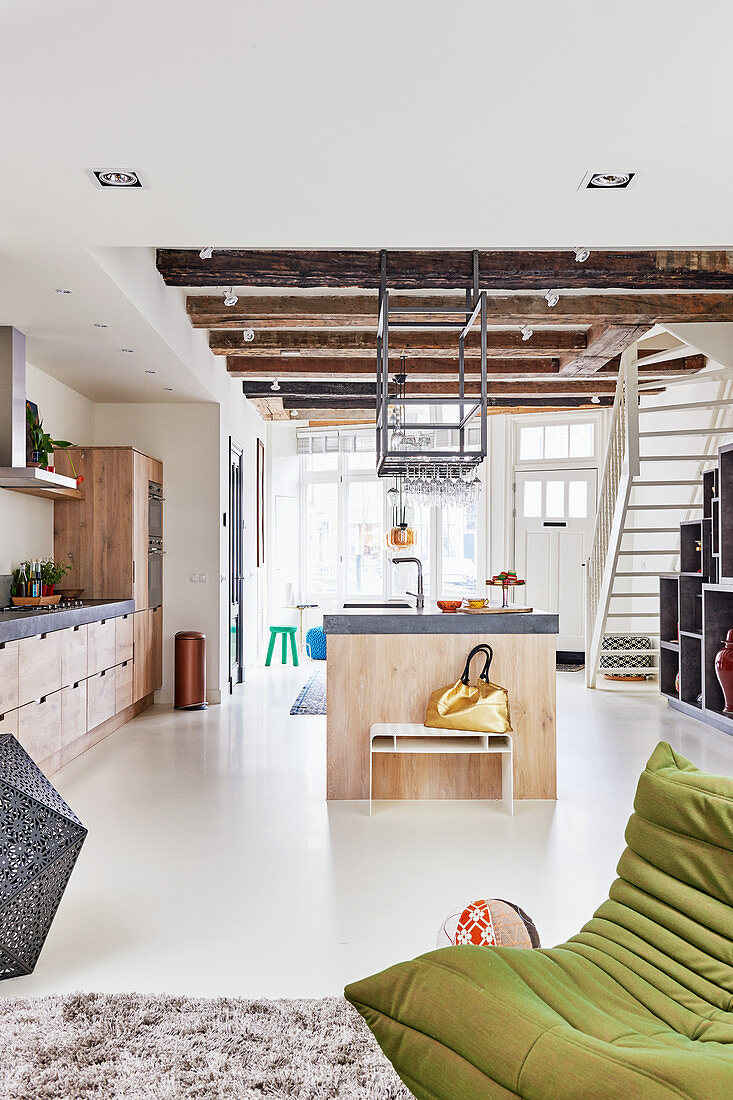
(446, 447)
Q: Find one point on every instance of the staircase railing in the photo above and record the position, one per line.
(621, 466)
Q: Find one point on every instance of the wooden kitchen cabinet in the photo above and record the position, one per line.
(143, 672)
(39, 666)
(156, 656)
(73, 643)
(73, 712)
(124, 674)
(39, 729)
(104, 536)
(102, 646)
(124, 636)
(101, 697)
(8, 676)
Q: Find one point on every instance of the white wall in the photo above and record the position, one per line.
(26, 523)
(284, 520)
(186, 440)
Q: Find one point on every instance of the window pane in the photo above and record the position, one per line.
(404, 577)
(321, 544)
(556, 441)
(365, 538)
(532, 507)
(577, 499)
(530, 444)
(581, 440)
(554, 499)
(319, 463)
(362, 460)
(459, 552)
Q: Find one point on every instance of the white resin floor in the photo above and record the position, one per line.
(214, 866)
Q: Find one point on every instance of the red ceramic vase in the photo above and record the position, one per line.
(724, 671)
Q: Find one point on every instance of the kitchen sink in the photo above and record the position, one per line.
(388, 604)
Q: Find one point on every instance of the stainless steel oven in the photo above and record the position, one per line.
(155, 572)
(155, 510)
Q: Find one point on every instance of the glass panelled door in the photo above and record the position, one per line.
(365, 547)
(555, 512)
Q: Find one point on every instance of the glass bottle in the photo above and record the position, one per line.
(23, 581)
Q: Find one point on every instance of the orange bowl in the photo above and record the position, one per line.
(449, 605)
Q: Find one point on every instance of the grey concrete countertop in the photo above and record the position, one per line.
(24, 624)
(387, 620)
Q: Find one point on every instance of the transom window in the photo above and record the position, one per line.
(556, 442)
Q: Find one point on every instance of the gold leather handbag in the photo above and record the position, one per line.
(480, 709)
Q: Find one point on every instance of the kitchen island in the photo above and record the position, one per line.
(383, 664)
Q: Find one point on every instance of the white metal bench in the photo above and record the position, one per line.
(413, 737)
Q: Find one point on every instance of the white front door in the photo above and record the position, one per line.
(555, 514)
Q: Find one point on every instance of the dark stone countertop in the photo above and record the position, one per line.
(387, 620)
(24, 624)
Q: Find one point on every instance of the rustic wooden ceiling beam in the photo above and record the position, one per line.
(360, 310)
(241, 366)
(337, 388)
(604, 343)
(370, 404)
(498, 270)
(414, 343)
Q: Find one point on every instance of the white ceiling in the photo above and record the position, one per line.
(407, 123)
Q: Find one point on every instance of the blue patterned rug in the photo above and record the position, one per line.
(312, 696)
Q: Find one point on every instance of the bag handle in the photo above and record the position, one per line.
(488, 652)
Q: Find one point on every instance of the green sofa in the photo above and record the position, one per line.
(638, 1005)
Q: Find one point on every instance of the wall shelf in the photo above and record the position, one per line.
(34, 481)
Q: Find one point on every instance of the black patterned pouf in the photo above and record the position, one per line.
(40, 838)
(610, 661)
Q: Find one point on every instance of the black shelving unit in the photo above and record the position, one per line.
(696, 604)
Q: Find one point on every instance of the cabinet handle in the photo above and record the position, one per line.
(42, 699)
(43, 636)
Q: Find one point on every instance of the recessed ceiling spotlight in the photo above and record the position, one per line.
(610, 179)
(100, 324)
(150, 372)
(275, 386)
(552, 298)
(62, 290)
(290, 354)
(127, 351)
(205, 253)
(581, 254)
(526, 332)
(116, 177)
(293, 412)
(595, 399)
(249, 335)
(230, 298)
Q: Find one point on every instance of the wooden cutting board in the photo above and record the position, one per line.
(493, 610)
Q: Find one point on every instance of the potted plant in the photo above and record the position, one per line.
(51, 573)
(41, 444)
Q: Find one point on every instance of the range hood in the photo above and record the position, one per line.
(14, 474)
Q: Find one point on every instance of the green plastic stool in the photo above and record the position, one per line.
(287, 632)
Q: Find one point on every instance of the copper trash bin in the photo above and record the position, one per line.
(190, 677)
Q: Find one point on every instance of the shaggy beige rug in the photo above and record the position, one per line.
(97, 1046)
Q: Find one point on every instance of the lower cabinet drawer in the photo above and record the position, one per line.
(123, 686)
(101, 701)
(102, 645)
(8, 676)
(39, 666)
(9, 723)
(39, 727)
(73, 712)
(123, 638)
(73, 642)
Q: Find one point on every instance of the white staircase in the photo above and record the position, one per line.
(651, 483)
